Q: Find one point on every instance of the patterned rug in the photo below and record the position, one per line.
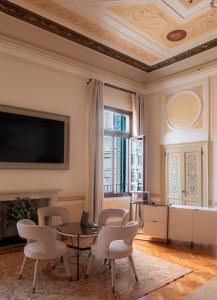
(152, 272)
(207, 291)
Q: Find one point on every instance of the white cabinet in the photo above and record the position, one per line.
(155, 219)
(204, 226)
(190, 224)
(180, 224)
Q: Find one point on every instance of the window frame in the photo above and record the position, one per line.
(117, 133)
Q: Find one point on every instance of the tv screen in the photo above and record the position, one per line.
(32, 138)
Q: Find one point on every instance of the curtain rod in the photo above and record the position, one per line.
(116, 87)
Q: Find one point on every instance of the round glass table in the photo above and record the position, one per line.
(75, 229)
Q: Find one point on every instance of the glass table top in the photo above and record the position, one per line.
(75, 228)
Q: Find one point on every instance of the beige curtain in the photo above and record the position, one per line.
(95, 149)
(141, 126)
(140, 115)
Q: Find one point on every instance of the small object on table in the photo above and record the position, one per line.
(84, 220)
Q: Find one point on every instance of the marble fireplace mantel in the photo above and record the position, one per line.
(50, 194)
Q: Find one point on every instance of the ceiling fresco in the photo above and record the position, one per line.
(132, 31)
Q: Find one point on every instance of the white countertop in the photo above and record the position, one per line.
(195, 207)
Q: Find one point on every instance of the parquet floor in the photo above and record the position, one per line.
(201, 259)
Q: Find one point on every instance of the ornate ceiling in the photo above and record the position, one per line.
(132, 31)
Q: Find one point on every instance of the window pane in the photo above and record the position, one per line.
(108, 145)
(136, 165)
(116, 121)
(121, 146)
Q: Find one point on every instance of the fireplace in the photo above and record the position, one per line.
(8, 231)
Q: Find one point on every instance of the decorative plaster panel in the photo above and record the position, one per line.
(156, 23)
(138, 37)
(200, 128)
(184, 110)
(80, 23)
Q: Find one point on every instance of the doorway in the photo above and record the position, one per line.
(186, 174)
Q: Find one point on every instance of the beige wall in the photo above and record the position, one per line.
(34, 86)
(205, 130)
(118, 99)
(213, 140)
(153, 143)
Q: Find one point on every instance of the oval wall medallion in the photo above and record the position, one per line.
(184, 110)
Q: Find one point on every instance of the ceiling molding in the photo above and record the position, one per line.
(30, 17)
(46, 58)
(196, 50)
(194, 75)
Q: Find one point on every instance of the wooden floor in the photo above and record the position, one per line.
(201, 259)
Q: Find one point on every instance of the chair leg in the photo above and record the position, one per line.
(89, 266)
(22, 267)
(53, 264)
(35, 276)
(66, 265)
(133, 267)
(113, 274)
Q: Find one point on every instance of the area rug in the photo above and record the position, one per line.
(152, 272)
(206, 292)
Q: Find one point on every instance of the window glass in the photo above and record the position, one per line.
(116, 152)
(121, 164)
(108, 162)
(136, 165)
(116, 121)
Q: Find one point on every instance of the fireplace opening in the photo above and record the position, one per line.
(10, 213)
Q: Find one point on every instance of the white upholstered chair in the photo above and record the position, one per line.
(114, 242)
(43, 245)
(113, 216)
(45, 213)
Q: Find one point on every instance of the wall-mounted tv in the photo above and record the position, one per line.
(33, 139)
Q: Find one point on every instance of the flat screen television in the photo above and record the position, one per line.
(33, 139)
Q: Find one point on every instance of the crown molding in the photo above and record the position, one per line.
(46, 58)
(181, 79)
(31, 53)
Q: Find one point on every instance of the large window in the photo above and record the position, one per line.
(117, 131)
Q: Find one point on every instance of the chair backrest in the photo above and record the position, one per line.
(27, 222)
(109, 234)
(45, 212)
(42, 234)
(108, 214)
